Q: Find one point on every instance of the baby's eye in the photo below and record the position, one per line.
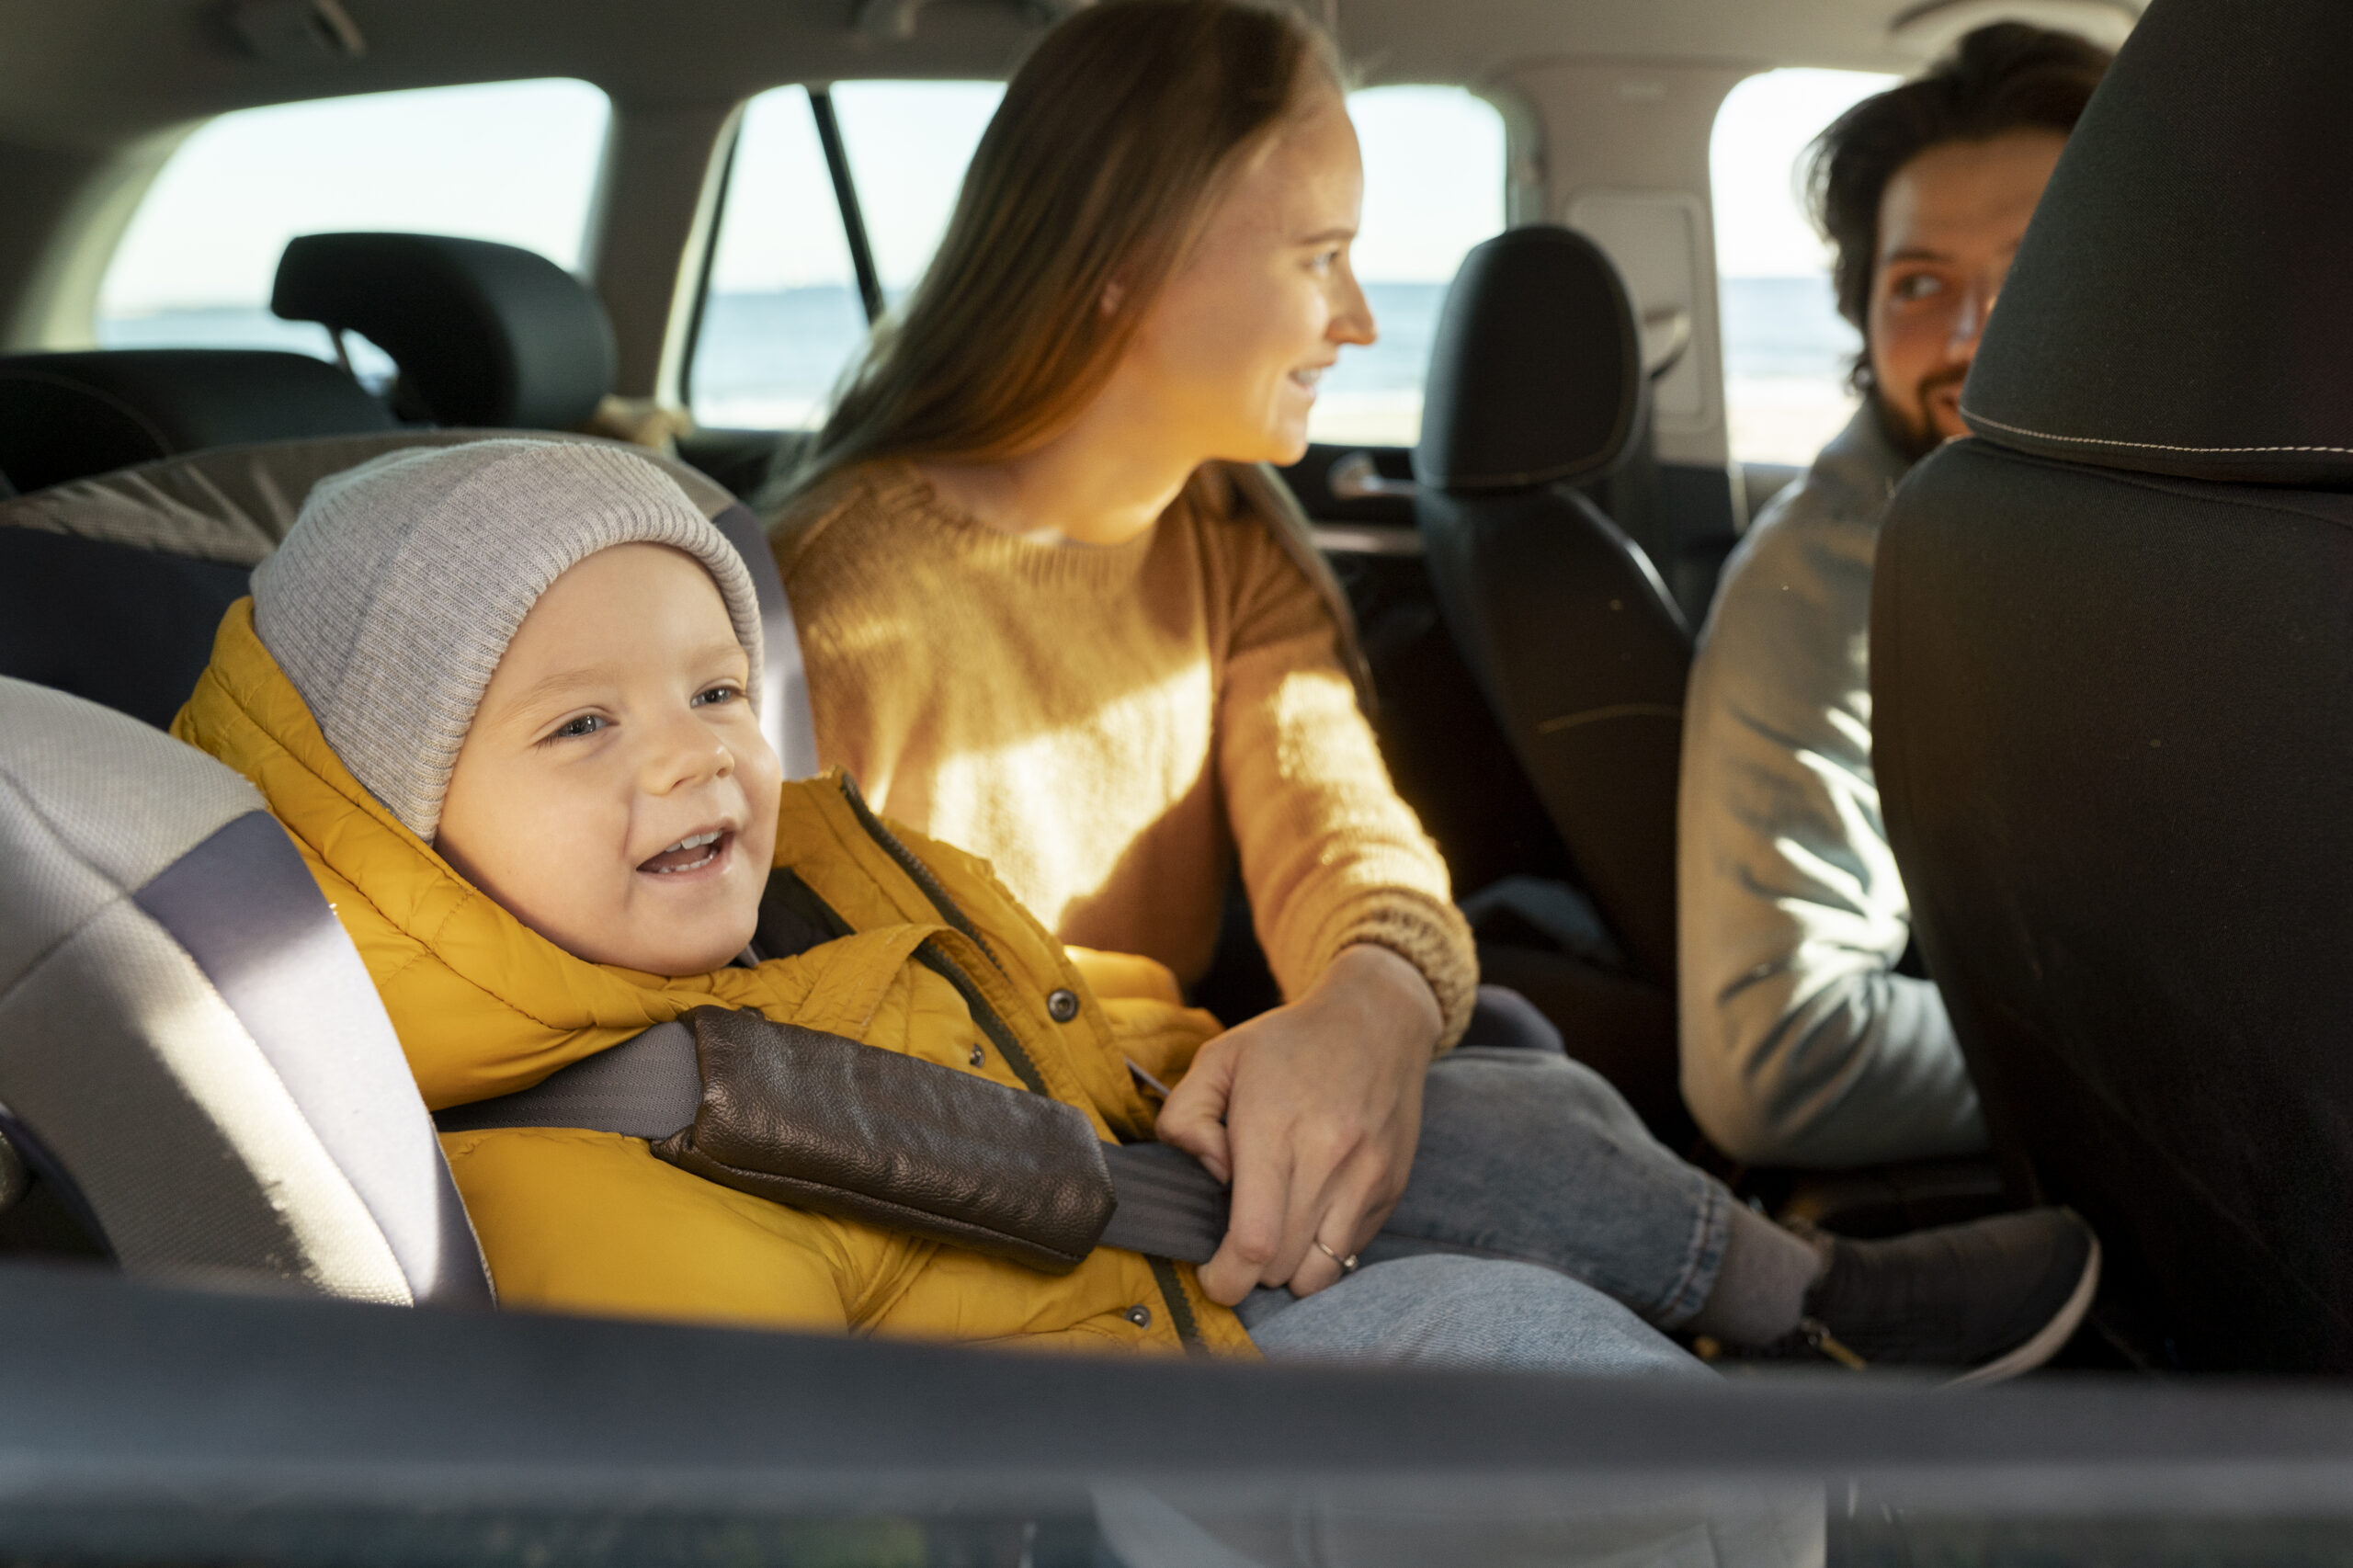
(724, 692)
(574, 729)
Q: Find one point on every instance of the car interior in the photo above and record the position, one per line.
(251, 1323)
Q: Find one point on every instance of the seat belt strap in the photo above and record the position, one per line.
(649, 1086)
(644, 1087)
(1169, 1205)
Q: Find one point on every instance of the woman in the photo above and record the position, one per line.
(1054, 614)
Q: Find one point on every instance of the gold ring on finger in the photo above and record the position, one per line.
(1347, 1264)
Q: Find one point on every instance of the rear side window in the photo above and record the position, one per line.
(909, 144)
(514, 162)
(1433, 187)
(783, 317)
(1787, 352)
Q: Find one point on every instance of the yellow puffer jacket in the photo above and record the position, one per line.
(592, 1222)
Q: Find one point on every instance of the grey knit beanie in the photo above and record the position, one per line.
(400, 584)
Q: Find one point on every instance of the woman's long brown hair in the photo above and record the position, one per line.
(1111, 148)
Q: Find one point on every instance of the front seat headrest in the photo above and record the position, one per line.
(191, 1048)
(1536, 377)
(65, 415)
(484, 334)
(2178, 307)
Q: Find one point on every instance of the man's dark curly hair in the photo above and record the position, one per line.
(2008, 77)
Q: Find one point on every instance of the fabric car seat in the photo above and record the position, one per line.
(2112, 684)
(111, 587)
(484, 334)
(64, 416)
(191, 1048)
(1537, 387)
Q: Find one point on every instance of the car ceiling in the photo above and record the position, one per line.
(100, 73)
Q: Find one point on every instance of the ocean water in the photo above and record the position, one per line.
(1785, 328)
(770, 359)
(1786, 356)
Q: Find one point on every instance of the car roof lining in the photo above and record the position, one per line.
(102, 73)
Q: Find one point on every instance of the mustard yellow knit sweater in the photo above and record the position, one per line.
(1109, 724)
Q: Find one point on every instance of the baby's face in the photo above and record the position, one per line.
(615, 792)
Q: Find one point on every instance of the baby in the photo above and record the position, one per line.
(504, 696)
(615, 792)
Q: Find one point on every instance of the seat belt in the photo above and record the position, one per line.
(649, 1086)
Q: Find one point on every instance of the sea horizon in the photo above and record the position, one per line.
(770, 359)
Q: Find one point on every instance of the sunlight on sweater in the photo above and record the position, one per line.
(1079, 778)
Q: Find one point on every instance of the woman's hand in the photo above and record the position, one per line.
(1310, 1112)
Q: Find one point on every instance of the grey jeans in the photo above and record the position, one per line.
(1525, 1158)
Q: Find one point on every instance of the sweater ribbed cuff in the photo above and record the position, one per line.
(1432, 936)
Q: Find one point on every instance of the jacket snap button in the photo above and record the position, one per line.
(1139, 1315)
(1062, 1005)
(980, 1055)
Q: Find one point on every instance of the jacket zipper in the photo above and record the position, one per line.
(786, 887)
(1180, 1311)
(931, 956)
(915, 869)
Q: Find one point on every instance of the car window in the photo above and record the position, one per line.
(782, 318)
(1787, 352)
(511, 161)
(909, 143)
(1433, 187)
(781, 321)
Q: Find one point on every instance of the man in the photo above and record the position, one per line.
(1802, 1044)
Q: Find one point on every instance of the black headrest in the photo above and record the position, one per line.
(1537, 374)
(484, 334)
(2178, 305)
(65, 416)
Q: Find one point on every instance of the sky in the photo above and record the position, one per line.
(516, 162)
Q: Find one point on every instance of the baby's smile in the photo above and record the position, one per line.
(696, 852)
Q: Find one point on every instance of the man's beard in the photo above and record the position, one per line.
(1912, 431)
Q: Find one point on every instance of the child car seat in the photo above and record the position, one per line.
(191, 1053)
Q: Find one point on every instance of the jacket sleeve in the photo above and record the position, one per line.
(1331, 856)
(1801, 1045)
